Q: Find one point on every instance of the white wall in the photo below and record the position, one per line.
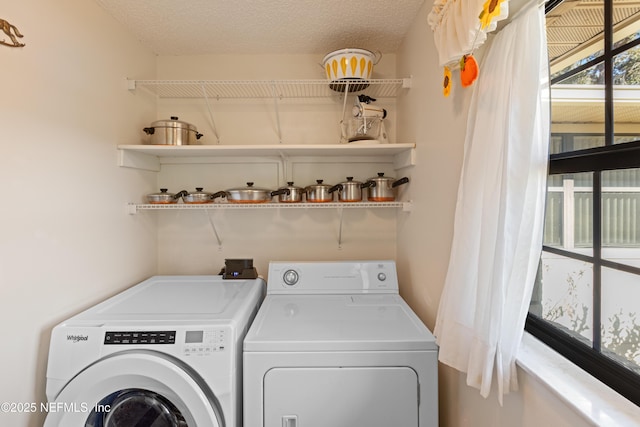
(66, 240)
(438, 125)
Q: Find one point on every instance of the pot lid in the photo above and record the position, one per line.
(350, 181)
(173, 122)
(381, 177)
(163, 193)
(199, 191)
(290, 185)
(319, 184)
(248, 189)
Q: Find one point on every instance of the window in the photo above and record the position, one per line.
(586, 300)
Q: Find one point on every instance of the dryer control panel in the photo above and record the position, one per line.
(332, 277)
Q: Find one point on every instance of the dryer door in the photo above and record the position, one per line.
(137, 388)
(341, 397)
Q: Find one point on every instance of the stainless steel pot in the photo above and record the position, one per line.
(383, 188)
(199, 196)
(172, 132)
(164, 197)
(350, 190)
(319, 192)
(293, 196)
(250, 194)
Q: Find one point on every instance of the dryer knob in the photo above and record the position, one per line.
(290, 277)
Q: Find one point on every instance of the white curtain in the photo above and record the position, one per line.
(500, 208)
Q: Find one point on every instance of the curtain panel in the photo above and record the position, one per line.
(500, 209)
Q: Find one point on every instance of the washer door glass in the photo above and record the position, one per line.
(135, 407)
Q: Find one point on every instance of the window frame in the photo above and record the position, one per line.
(589, 356)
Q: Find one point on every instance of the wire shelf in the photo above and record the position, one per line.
(134, 207)
(260, 89)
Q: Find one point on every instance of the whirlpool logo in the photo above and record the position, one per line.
(77, 338)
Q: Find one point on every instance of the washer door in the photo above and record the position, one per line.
(135, 407)
(137, 388)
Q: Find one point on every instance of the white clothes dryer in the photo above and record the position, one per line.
(334, 344)
(164, 353)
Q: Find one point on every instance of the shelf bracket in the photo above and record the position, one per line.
(341, 214)
(130, 159)
(275, 104)
(405, 159)
(213, 122)
(285, 165)
(213, 227)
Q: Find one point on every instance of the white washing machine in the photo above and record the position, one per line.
(335, 345)
(164, 353)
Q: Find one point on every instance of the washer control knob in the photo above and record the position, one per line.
(290, 277)
(382, 277)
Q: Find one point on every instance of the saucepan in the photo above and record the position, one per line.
(164, 197)
(319, 192)
(350, 190)
(293, 195)
(383, 188)
(199, 196)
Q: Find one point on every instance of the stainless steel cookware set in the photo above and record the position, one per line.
(376, 189)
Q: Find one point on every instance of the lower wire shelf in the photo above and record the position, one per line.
(135, 207)
(208, 207)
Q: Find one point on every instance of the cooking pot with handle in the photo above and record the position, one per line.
(383, 188)
(250, 194)
(164, 197)
(172, 132)
(350, 190)
(293, 196)
(319, 192)
(198, 196)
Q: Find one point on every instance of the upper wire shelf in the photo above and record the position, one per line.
(256, 89)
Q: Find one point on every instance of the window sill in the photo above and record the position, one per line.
(583, 393)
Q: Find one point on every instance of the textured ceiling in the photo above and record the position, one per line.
(171, 27)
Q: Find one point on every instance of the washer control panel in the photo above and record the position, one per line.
(139, 337)
(332, 277)
(196, 342)
(205, 342)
